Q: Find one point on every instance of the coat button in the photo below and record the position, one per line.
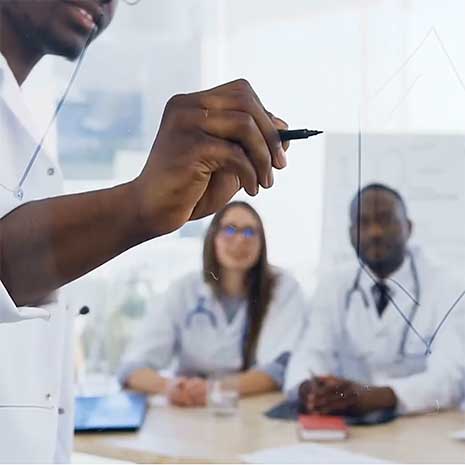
(19, 194)
(51, 171)
(48, 396)
(61, 411)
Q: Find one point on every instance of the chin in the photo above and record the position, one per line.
(70, 51)
(376, 267)
(70, 54)
(243, 268)
(235, 266)
(375, 264)
(64, 44)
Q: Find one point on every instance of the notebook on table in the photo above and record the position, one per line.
(123, 411)
(322, 428)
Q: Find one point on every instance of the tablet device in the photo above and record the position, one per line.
(123, 411)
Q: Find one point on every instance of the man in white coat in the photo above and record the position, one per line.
(384, 335)
(210, 145)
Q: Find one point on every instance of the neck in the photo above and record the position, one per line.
(17, 49)
(233, 283)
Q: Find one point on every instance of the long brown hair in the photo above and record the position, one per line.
(260, 281)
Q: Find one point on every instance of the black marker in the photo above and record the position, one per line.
(293, 134)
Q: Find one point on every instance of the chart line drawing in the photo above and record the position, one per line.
(433, 35)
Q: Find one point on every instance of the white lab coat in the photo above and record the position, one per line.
(356, 344)
(202, 345)
(36, 400)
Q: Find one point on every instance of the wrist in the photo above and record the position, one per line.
(388, 398)
(162, 385)
(376, 398)
(125, 201)
(157, 208)
(303, 390)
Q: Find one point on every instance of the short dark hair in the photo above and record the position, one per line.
(376, 187)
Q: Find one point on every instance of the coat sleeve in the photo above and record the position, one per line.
(315, 350)
(154, 345)
(10, 313)
(442, 384)
(284, 322)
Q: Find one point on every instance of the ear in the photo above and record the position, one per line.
(410, 228)
(353, 235)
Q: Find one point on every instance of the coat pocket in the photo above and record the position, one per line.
(27, 433)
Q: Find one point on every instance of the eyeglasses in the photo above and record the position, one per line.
(230, 230)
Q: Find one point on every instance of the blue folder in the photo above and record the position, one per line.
(123, 411)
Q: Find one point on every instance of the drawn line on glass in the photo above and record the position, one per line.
(434, 32)
(403, 98)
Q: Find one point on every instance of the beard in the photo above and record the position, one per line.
(44, 36)
(387, 264)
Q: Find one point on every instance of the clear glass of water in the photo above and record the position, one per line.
(223, 395)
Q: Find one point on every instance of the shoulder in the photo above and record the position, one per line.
(183, 294)
(284, 279)
(342, 277)
(191, 282)
(288, 298)
(436, 275)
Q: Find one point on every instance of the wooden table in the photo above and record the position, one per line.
(194, 435)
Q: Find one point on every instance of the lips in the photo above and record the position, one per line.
(240, 256)
(87, 13)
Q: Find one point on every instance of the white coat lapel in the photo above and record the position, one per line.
(11, 94)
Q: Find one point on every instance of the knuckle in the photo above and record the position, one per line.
(183, 118)
(238, 152)
(246, 101)
(175, 101)
(246, 123)
(243, 85)
(174, 111)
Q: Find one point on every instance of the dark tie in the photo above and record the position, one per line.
(381, 295)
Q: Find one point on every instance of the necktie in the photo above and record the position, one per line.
(381, 295)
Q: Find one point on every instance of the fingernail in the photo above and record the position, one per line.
(270, 179)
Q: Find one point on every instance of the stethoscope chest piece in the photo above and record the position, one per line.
(201, 311)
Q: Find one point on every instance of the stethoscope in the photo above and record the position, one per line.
(201, 311)
(415, 301)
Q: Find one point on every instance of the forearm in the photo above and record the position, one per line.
(255, 382)
(48, 243)
(147, 380)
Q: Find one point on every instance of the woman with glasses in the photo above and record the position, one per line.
(239, 315)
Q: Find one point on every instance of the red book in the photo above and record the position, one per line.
(322, 428)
